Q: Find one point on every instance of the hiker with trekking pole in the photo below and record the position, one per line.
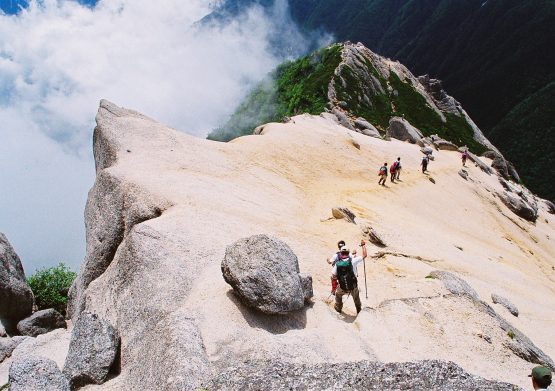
(345, 271)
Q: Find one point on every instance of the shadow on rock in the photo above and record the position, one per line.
(273, 323)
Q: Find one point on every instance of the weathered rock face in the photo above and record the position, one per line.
(505, 303)
(483, 166)
(340, 212)
(363, 375)
(264, 272)
(365, 127)
(8, 345)
(93, 350)
(41, 322)
(455, 284)
(521, 206)
(36, 373)
(445, 145)
(16, 297)
(179, 201)
(402, 130)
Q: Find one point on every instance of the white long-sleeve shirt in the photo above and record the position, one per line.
(354, 261)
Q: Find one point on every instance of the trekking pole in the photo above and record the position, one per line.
(365, 286)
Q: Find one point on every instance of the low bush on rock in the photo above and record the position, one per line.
(50, 287)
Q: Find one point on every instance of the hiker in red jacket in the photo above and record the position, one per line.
(392, 172)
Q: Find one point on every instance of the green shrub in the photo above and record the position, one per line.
(5, 386)
(50, 287)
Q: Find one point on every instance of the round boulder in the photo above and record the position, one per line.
(264, 273)
(41, 322)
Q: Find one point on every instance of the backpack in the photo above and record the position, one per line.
(346, 275)
(383, 170)
(393, 167)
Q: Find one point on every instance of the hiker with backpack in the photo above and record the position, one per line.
(383, 174)
(334, 258)
(345, 271)
(398, 168)
(393, 171)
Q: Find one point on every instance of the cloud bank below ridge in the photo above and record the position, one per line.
(58, 59)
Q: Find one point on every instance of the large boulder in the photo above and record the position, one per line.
(264, 273)
(41, 322)
(93, 349)
(444, 145)
(519, 205)
(401, 129)
(16, 297)
(366, 128)
(33, 373)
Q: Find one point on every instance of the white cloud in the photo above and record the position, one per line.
(58, 59)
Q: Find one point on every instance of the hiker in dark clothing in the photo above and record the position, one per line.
(424, 164)
(464, 157)
(345, 271)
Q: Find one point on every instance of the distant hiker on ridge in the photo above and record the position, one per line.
(541, 378)
(398, 168)
(345, 271)
(424, 164)
(464, 157)
(383, 174)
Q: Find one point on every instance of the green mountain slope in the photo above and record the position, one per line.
(532, 134)
(354, 81)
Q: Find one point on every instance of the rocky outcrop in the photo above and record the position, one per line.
(41, 322)
(400, 129)
(520, 344)
(355, 376)
(29, 373)
(366, 128)
(444, 145)
(455, 284)
(264, 273)
(342, 118)
(479, 163)
(340, 212)
(114, 205)
(443, 101)
(371, 234)
(505, 303)
(16, 297)
(520, 205)
(93, 350)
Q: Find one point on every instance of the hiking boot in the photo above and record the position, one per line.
(335, 307)
(359, 309)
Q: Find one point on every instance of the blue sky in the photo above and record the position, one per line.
(59, 58)
(13, 6)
